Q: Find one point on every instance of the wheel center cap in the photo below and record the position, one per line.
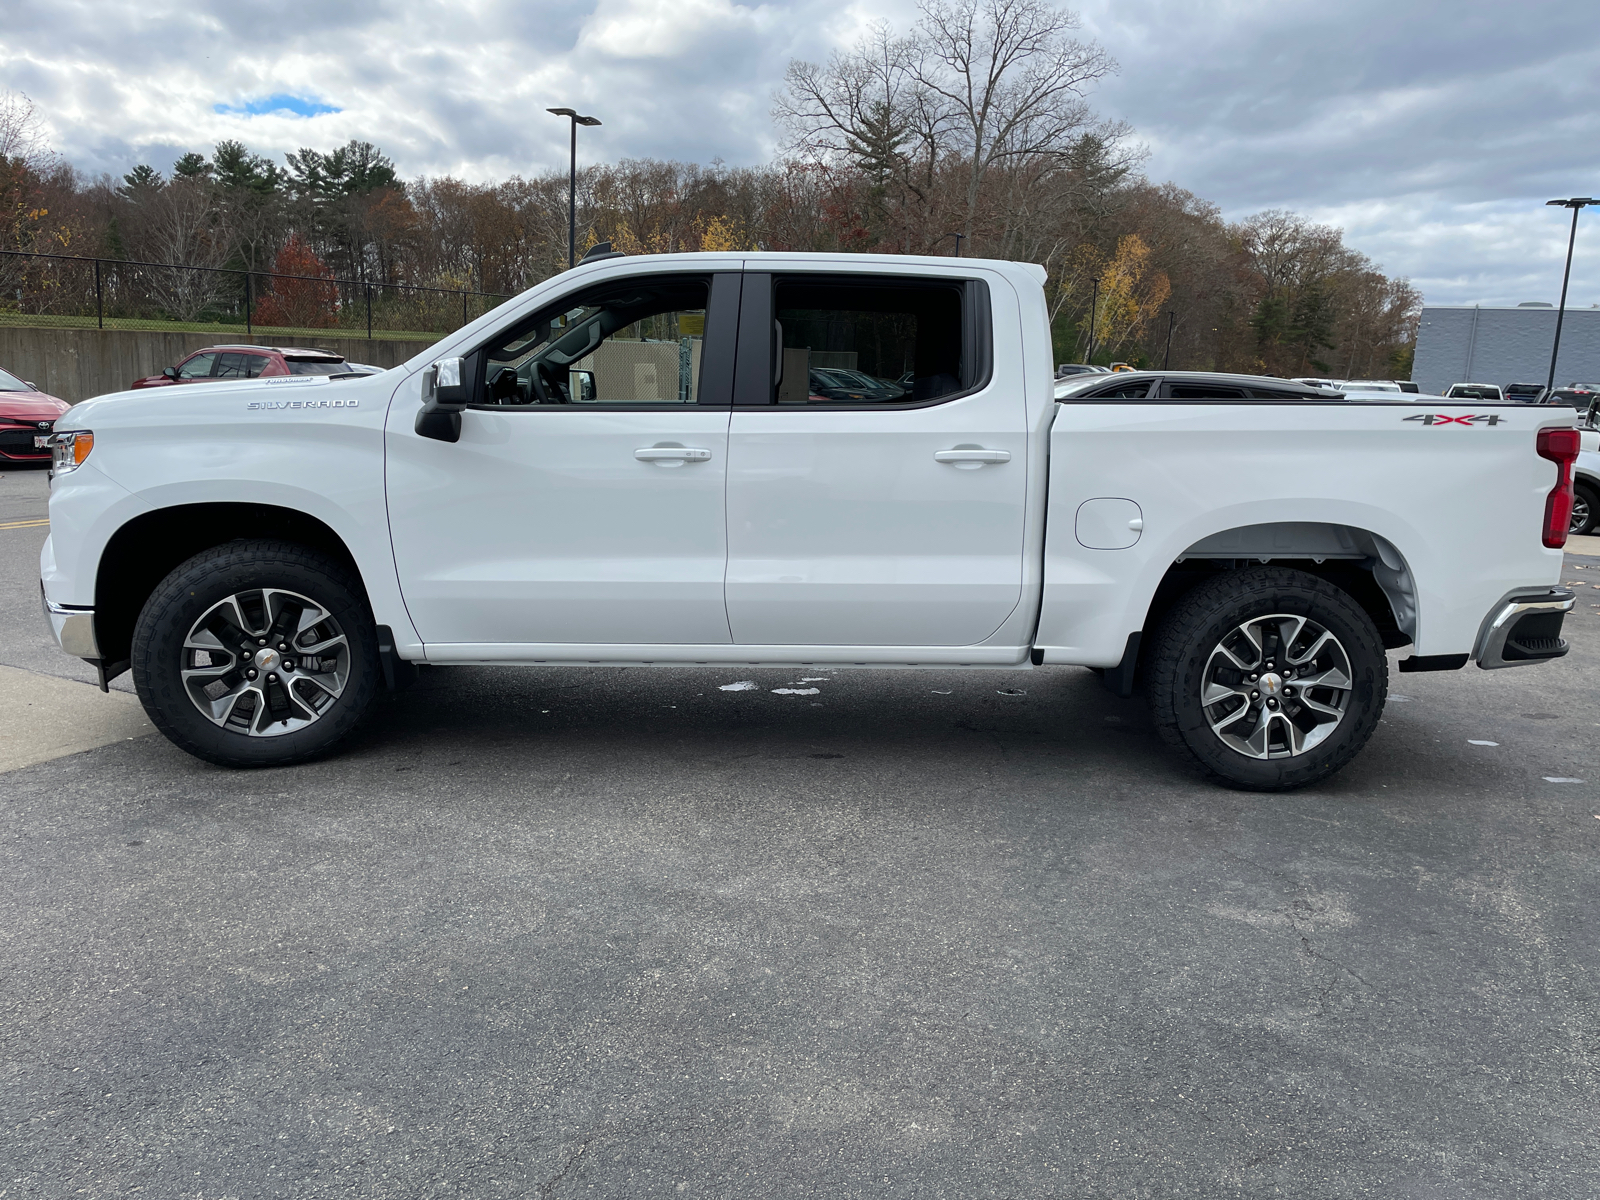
(1270, 685)
(267, 659)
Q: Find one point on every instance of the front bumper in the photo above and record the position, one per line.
(73, 628)
(1525, 629)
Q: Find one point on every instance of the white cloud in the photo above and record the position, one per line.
(1432, 130)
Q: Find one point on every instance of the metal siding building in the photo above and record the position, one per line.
(1473, 344)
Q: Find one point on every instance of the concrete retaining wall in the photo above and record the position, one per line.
(76, 364)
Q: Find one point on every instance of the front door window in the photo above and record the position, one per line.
(198, 367)
(640, 343)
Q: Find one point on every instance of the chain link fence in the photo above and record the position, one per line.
(100, 293)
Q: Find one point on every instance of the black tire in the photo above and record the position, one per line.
(209, 579)
(1190, 644)
(1585, 508)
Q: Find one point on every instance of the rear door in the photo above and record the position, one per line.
(877, 465)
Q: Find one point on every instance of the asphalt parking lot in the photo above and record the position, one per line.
(620, 933)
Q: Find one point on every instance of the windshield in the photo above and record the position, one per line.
(1474, 391)
(10, 383)
(317, 366)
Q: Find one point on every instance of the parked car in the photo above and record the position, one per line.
(837, 383)
(1371, 385)
(267, 558)
(247, 362)
(1063, 370)
(1586, 476)
(1407, 385)
(27, 417)
(1474, 391)
(1578, 395)
(1523, 393)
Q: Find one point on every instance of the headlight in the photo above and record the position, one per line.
(69, 449)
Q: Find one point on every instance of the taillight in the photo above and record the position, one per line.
(1560, 446)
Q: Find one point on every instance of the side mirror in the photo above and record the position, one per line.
(444, 395)
(580, 386)
(170, 372)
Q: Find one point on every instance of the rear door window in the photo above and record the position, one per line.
(863, 342)
(233, 365)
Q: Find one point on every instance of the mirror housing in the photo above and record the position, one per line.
(445, 392)
(170, 372)
(580, 386)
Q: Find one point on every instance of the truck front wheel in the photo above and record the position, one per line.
(256, 653)
(1270, 678)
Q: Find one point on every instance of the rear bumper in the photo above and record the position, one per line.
(73, 628)
(1525, 629)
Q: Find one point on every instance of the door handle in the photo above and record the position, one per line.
(966, 454)
(672, 454)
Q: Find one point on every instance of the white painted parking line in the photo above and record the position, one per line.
(42, 717)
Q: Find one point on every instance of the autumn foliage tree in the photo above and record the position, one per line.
(308, 301)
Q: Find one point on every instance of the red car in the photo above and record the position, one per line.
(27, 416)
(247, 362)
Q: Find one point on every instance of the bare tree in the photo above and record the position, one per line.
(22, 133)
(1012, 78)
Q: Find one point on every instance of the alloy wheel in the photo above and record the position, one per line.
(265, 662)
(1276, 686)
(1580, 512)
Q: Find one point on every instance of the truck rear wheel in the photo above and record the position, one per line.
(256, 653)
(1269, 678)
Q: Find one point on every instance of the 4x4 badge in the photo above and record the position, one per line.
(1447, 419)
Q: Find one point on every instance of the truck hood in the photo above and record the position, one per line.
(285, 391)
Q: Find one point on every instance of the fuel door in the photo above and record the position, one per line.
(1108, 523)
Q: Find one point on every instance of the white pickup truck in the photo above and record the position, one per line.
(799, 460)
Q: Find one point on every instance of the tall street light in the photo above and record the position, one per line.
(572, 182)
(1576, 204)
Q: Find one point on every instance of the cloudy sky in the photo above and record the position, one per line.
(1430, 131)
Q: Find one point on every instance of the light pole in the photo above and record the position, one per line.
(959, 237)
(572, 181)
(1576, 204)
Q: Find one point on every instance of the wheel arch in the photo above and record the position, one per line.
(1363, 564)
(141, 553)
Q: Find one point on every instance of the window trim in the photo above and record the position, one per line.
(1161, 384)
(755, 366)
(716, 354)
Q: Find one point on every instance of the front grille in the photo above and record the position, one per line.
(19, 441)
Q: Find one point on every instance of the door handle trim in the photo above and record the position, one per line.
(972, 456)
(672, 454)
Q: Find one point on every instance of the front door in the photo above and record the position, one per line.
(877, 473)
(584, 501)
